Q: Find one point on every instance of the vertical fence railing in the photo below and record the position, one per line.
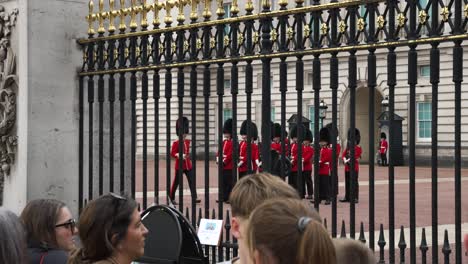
(392, 82)
(121, 59)
(352, 85)
(412, 81)
(372, 84)
(334, 78)
(434, 79)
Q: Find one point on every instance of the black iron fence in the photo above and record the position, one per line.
(126, 67)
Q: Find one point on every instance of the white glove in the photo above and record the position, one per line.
(258, 163)
(240, 163)
(217, 160)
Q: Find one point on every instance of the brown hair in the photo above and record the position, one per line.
(253, 189)
(289, 231)
(103, 224)
(39, 218)
(352, 251)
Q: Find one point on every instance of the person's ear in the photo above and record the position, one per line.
(114, 242)
(235, 227)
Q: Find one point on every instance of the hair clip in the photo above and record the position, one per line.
(302, 223)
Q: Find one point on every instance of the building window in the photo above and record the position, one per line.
(312, 119)
(227, 14)
(425, 71)
(273, 114)
(227, 113)
(424, 120)
(227, 84)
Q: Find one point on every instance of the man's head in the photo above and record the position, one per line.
(250, 192)
(351, 251)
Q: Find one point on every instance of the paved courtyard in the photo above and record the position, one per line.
(446, 202)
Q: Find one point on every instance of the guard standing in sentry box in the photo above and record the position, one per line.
(182, 129)
(324, 166)
(383, 147)
(228, 179)
(347, 161)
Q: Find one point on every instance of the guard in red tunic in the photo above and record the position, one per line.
(228, 179)
(292, 179)
(383, 148)
(182, 129)
(276, 138)
(307, 157)
(256, 163)
(347, 161)
(324, 165)
(242, 165)
(333, 189)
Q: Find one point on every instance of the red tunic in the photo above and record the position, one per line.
(294, 157)
(187, 164)
(325, 161)
(307, 155)
(227, 154)
(243, 156)
(255, 156)
(276, 146)
(383, 146)
(357, 156)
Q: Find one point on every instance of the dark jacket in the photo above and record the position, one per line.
(38, 253)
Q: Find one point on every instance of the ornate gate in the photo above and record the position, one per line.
(135, 64)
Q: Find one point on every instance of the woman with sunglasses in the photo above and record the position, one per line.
(50, 228)
(111, 232)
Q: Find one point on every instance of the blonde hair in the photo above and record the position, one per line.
(350, 251)
(289, 231)
(254, 189)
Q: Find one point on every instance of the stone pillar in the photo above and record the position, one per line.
(46, 162)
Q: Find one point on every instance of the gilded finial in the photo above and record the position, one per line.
(133, 13)
(234, 8)
(274, 35)
(401, 19)
(180, 16)
(206, 11)
(220, 11)
(283, 3)
(144, 11)
(324, 29)
(361, 24)
(156, 8)
(122, 13)
(306, 31)
(168, 5)
(112, 14)
(249, 6)
(91, 17)
(342, 26)
(266, 4)
(193, 14)
(101, 17)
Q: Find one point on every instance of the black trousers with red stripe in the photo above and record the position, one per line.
(175, 184)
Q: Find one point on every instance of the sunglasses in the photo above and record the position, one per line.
(71, 224)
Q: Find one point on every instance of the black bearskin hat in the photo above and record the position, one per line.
(293, 131)
(243, 128)
(330, 128)
(325, 135)
(182, 126)
(357, 136)
(276, 130)
(308, 135)
(227, 127)
(383, 135)
(254, 131)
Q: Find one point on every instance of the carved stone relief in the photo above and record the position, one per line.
(8, 89)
